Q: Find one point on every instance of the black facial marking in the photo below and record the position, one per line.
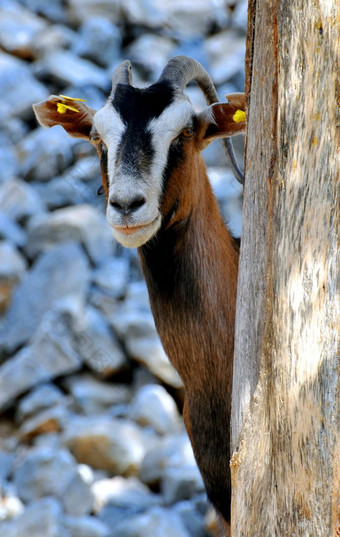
(138, 106)
(103, 164)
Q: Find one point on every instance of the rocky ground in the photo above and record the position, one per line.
(92, 443)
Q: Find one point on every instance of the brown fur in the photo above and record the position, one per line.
(197, 328)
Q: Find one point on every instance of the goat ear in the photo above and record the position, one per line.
(221, 120)
(70, 113)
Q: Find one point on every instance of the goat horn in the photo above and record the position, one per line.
(181, 70)
(121, 75)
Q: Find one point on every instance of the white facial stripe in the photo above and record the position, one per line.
(110, 128)
(164, 129)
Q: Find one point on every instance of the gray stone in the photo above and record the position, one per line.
(49, 472)
(229, 194)
(8, 159)
(151, 52)
(172, 451)
(41, 398)
(11, 231)
(77, 185)
(97, 345)
(192, 519)
(18, 28)
(134, 324)
(85, 527)
(98, 40)
(52, 38)
(152, 405)
(123, 493)
(93, 396)
(45, 153)
(19, 200)
(117, 446)
(45, 422)
(12, 268)
(52, 353)
(19, 86)
(226, 52)
(57, 273)
(6, 465)
(112, 276)
(10, 505)
(82, 10)
(43, 518)
(81, 223)
(64, 67)
(180, 483)
(13, 264)
(156, 522)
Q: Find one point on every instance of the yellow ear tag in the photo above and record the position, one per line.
(63, 107)
(239, 116)
(65, 97)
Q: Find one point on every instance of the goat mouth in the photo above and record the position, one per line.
(129, 230)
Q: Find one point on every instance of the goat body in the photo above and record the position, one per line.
(159, 199)
(191, 272)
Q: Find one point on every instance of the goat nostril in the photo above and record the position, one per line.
(127, 206)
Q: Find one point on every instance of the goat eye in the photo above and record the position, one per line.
(187, 133)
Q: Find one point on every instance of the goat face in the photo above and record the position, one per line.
(145, 138)
(136, 130)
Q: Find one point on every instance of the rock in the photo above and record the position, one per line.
(229, 194)
(226, 52)
(48, 472)
(81, 223)
(117, 446)
(156, 522)
(97, 346)
(55, 11)
(41, 519)
(98, 40)
(112, 275)
(52, 38)
(8, 158)
(152, 405)
(77, 185)
(82, 10)
(173, 451)
(51, 354)
(150, 53)
(180, 483)
(43, 397)
(19, 200)
(6, 465)
(18, 28)
(11, 231)
(60, 272)
(10, 506)
(45, 153)
(134, 324)
(86, 526)
(46, 421)
(93, 396)
(64, 67)
(191, 518)
(123, 493)
(19, 86)
(12, 268)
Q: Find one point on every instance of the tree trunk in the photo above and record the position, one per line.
(286, 415)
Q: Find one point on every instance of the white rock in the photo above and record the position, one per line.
(81, 223)
(123, 492)
(152, 405)
(181, 483)
(19, 200)
(155, 523)
(42, 518)
(19, 86)
(117, 446)
(41, 398)
(226, 52)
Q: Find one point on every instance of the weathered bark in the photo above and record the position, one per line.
(286, 416)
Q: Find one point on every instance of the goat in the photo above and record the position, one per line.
(159, 200)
